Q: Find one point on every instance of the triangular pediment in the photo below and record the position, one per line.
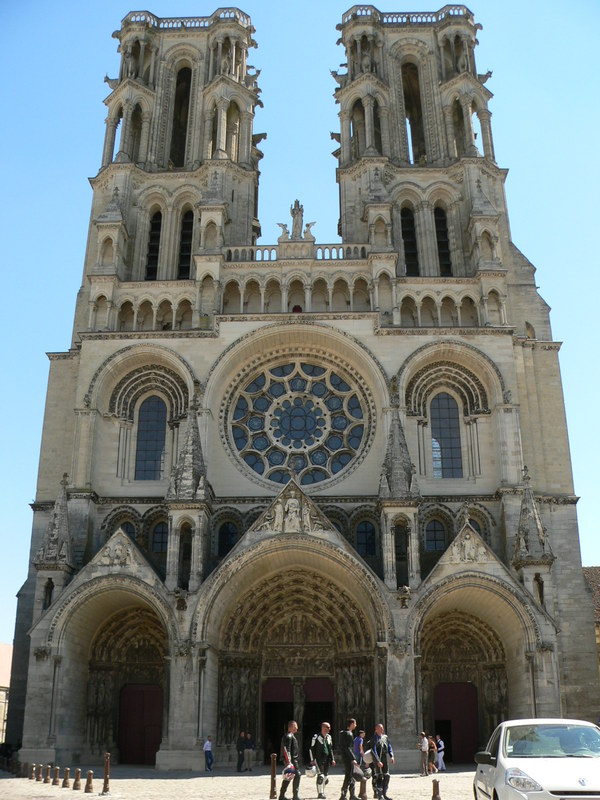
(468, 548)
(291, 512)
(118, 553)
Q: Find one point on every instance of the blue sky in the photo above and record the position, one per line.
(545, 123)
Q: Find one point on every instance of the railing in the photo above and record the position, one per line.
(320, 252)
(407, 18)
(176, 23)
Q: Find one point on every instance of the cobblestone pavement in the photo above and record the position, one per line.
(136, 783)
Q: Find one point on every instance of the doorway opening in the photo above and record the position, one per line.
(455, 704)
(140, 723)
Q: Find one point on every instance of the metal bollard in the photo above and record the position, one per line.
(66, 784)
(106, 785)
(77, 781)
(32, 772)
(273, 792)
(38, 777)
(56, 779)
(47, 773)
(89, 786)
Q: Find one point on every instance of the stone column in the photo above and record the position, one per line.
(388, 552)
(125, 145)
(484, 116)
(346, 137)
(199, 550)
(245, 136)
(145, 136)
(220, 144)
(384, 121)
(307, 298)
(466, 102)
(172, 557)
(369, 107)
(109, 141)
(450, 134)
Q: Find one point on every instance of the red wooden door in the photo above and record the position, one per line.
(140, 723)
(456, 705)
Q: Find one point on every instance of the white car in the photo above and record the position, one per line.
(540, 759)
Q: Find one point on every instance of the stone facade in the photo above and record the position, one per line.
(300, 479)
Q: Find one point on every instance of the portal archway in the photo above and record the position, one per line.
(286, 632)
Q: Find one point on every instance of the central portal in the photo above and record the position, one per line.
(310, 702)
(289, 649)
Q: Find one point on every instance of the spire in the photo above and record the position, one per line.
(56, 546)
(532, 545)
(188, 477)
(398, 479)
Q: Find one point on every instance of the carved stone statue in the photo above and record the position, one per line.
(297, 212)
(292, 515)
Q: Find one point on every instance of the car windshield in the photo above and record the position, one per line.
(552, 740)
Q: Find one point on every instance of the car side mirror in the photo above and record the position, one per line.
(483, 757)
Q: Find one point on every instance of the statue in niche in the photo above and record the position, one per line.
(292, 515)
(278, 517)
(306, 518)
(297, 212)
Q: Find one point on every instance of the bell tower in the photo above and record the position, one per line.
(179, 174)
(407, 106)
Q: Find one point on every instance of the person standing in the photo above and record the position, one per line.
(208, 756)
(383, 756)
(358, 747)
(423, 746)
(347, 751)
(440, 749)
(290, 753)
(431, 755)
(240, 746)
(321, 754)
(248, 752)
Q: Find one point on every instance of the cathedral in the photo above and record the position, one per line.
(300, 480)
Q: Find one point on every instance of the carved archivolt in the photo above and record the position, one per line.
(296, 608)
(441, 375)
(155, 378)
(457, 637)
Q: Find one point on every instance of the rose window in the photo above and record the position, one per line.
(299, 418)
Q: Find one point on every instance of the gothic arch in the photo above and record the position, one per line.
(118, 365)
(461, 355)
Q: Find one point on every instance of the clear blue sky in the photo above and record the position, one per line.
(546, 119)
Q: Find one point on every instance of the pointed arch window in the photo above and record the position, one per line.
(445, 437)
(181, 110)
(153, 246)
(185, 245)
(366, 539)
(228, 536)
(401, 553)
(409, 238)
(413, 111)
(443, 241)
(151, 435)
(435, 536)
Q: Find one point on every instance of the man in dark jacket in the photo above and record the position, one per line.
(383, 756)
(290, 753)
(321, 754)
(347, 751)
(240, 745)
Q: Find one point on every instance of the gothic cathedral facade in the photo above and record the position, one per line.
(300, 480)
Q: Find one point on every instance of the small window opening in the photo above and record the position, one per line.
(435, 536)
(48, 593)
(413, 111)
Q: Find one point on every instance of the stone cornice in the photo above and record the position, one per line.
(65, 356)
(486, 331)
